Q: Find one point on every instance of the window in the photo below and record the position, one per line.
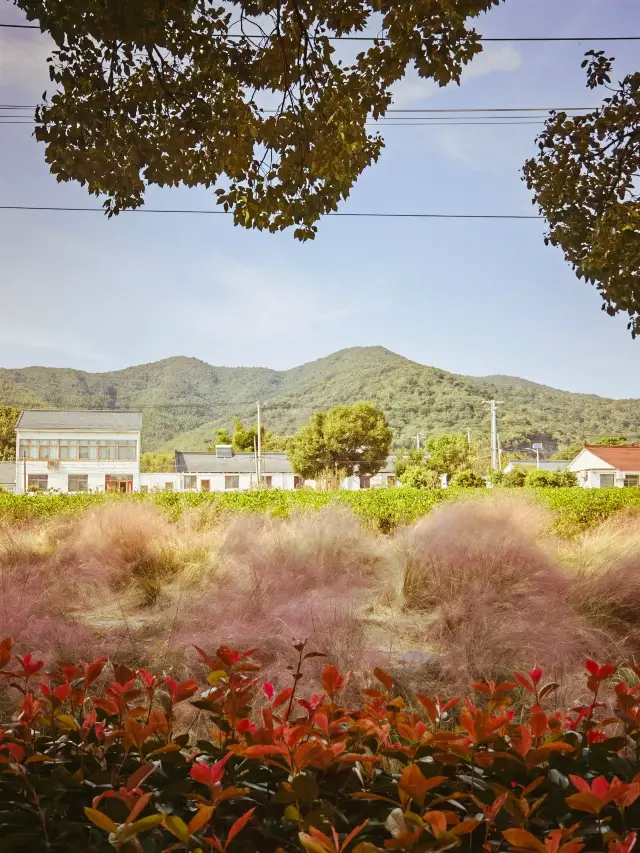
(38, 482)
(632, 480)
(205, 485)
(168, 486)
(232, 481)
(63, 448)
(297, 482)
(365, 482)
(78, 483)
(191, 482)
(391, 481)
(607, 481)
(118, 483)
(268, 480)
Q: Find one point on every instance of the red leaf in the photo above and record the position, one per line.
(282, 697)
(332, 681)
(238, 826)
(384, 678)
(94, 670)
(448, 705)
(184, 691)
(592, 668)
(535, 675)
(579, 783)
(62, 692)
(523, 681)
(429, 706)
(268, 690)
(5, 650)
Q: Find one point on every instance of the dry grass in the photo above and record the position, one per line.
(477, 589)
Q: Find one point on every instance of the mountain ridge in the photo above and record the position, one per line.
(184, 398)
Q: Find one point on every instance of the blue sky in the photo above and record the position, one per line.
(476, 297)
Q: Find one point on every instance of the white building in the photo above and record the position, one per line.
(602, 467)
(83, 451)
(226, 471)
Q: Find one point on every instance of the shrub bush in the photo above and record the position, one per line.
(536, 479)
(101, 757)
(420, 477)
(467, 480)
(576, 510)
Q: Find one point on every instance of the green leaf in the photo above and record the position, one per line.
(305, 787)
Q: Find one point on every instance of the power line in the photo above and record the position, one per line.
(209, 212)
(380, 125)
(384, 39)
(401, 110)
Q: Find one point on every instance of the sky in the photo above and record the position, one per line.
(475, 297)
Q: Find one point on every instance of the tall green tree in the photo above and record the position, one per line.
(353, 438)
(167, 92)
(612, 440)
(8, 419)
(157, 462)
(449, 453)
(585, 182)
(220, 436)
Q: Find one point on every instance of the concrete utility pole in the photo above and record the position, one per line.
(469, 436)
(259, 446)
(418, 441)
(493, 408)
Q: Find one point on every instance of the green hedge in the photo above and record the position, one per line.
(576, 510)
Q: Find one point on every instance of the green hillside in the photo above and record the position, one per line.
(184, 399)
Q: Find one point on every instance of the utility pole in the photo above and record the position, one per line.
(493, 408)
(418, 441)
(255, 451)
(469, 436)
(259, 446)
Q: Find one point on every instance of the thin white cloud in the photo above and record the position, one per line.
(495, 58)
(264, 300)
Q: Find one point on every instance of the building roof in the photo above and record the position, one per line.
(545, 464)
(80, 421)
(624, 458)
(7, 473)
(239, 463)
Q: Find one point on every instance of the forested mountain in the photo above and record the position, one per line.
(184, 399)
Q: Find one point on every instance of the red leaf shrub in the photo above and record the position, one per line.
(99, 756)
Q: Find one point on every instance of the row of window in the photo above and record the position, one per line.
(608, 481)
(38, 448)
(77, 483)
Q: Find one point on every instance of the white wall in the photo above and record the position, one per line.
(95, 469)
(217, 482)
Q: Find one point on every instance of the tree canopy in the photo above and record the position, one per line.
(8, 418)
(243, 440)
(612, 440)
(352, 439)
(420, 477)
(449, 453)
(170, 92)
(585, 181)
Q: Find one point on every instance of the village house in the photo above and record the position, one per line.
(96, 451)
(223, 470)
(603, 467)
(82, 451)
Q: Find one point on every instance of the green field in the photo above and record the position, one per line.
(575, 510)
